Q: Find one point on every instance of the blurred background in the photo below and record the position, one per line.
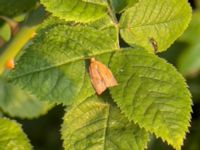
(43, 132)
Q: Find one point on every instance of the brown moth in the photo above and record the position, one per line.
(101, 77)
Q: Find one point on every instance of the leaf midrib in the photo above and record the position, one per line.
(96, 3)
(64, 63)
(106, 127)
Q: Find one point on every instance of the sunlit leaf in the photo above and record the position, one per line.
(12, 136)
(54, 66)
(95, 124)
(153, 94)
(154, 24)
(77, 10)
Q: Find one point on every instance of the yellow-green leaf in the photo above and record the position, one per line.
(155, 24)
(153, 94)
(12, 136)
(76, 10)
(98, 125)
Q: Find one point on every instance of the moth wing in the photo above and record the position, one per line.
(106, 75)
(96, 79)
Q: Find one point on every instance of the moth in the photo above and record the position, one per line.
(101, 77)
(10, 64)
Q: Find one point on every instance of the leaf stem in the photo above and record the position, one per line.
(114, 18)
(17, 43)
(111, 12)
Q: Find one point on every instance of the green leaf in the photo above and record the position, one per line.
(192, 34)
(5, 32)
(189, 61)
(12, 137)
(100, 2)
(155, 24)
(76, 10)
(121, 5)
(153, 94)
(12, 8)
(18, 103)
(95, 124)
(54, 66)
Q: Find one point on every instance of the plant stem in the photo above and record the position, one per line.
(17, 43)
(114, 18)
(111, 12)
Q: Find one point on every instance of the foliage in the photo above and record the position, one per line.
(55, 67)
(121, 5)
(19, 103)
(151, 97)
(189, 61)
(152, 24)
(102, 127)
(77, 10)
(12, 136)
(12, 8)
(159, 104)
